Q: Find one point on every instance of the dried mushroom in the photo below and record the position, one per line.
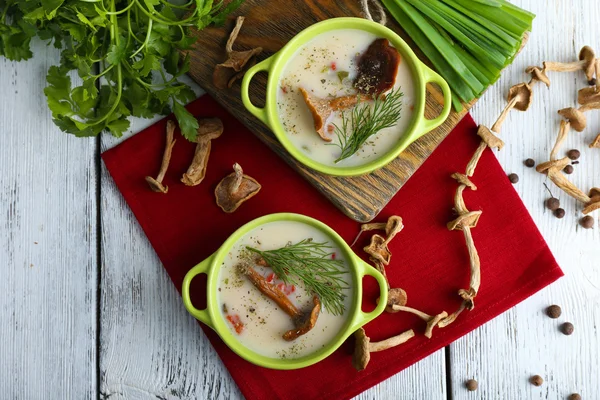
(560, 139)
(226, 73)
(595, 143)
(588, 95)
(156, 184)
(538, 75)
(377, 68)
(575, 117)
(594, 203)
(519, 98)
(396, 297)
(363, 346)
(208, 129)
(391, 228)
(321, 109)
(489, 138)
(431, 320)
(378, 249)
(303, 322)
(586, 63)
(464, 180)
(235, 189)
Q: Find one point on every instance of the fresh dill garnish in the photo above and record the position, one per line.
(366, 120)
(312, 265)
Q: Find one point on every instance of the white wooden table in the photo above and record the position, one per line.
(87, 311)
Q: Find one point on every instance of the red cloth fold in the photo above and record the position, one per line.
(431, 263)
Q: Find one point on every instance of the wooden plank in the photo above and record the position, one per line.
(270, 27)
(47, 243)
(151, 346)
(503, 354)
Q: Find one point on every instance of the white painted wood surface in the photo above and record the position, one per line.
(149, 347)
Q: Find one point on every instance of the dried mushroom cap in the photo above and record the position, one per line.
(208, 129)
(468, 219)
(588, 95)
(590, 106)
(489, 138)
(305, 322)
(396, 297)
(226, 73)
(523, 94)
(575, 117)
(594, 203)
(559, 164)
(587, 54)
(594, 192)
(538, 74)
(378, 249)
(464, 180)
(235, 189)
(321, 109)
(595, 143)
(363, 346)
(392, 227)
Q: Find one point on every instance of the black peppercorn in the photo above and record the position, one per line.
(587, 222)
(567, 328)
(513, 178)
(559, 213)
(552, 203)
(536, 380)
(472, 385)
(592, 82)
(553, 311)
(529, 163)
(574, 396)
(568, 169)
(573, 154)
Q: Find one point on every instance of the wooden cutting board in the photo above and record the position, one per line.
(270, 24)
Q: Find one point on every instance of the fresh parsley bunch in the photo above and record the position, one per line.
(126, 51)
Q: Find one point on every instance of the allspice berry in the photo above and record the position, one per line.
(573, 154)
(587, 222)
(568, 169)
(559, 213)
(553, 311)
(552, 203)
(567, 328)
(574, 396)
(513, 178)
(472, 385)
(529, 163)
(536, 380)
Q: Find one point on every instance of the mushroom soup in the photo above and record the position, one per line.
(328, 71)
(262, 324)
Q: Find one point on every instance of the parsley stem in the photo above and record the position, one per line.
(121, 11)
(164, 20)
(145, 41)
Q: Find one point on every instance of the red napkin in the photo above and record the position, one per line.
(431, 263)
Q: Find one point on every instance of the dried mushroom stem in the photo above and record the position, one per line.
(431, 320)
(368, 227)
(519, 97)
(586, 63)
(567, 186)
(391, 227)
(565, 126)
(156, 184)
(303, 322)
(363, 346)
(208, 129)
(498, 124)
(475, 159)
(452, 317)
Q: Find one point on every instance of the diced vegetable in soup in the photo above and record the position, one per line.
(346, 98)
(277, 306)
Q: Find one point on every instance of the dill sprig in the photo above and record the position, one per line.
(310, 264)
(366, 120)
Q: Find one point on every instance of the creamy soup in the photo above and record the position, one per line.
(326, 67)
(257, 321)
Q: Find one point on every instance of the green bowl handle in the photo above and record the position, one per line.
(431, 76)
(365, 317)
(201, 315)
(260, 113)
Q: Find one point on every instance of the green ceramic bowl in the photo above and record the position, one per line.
(275, 65)
(212, 317)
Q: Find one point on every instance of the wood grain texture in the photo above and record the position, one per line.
(47, 243)
(271, 25)
(504, 353)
